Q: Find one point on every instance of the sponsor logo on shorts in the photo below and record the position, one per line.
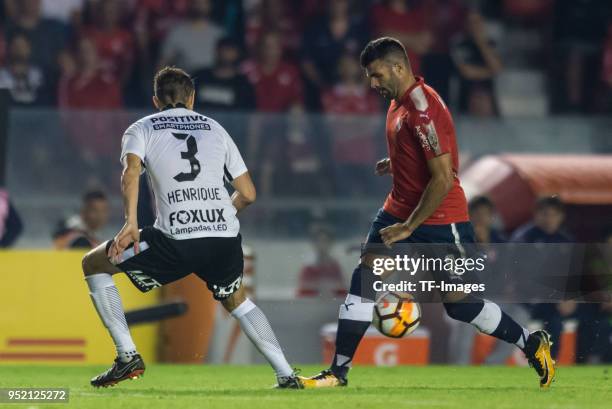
(221, 292)
(143, 281)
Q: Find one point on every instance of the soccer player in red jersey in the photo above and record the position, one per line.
(426, 205)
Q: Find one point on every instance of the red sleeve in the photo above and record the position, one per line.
(432, 131)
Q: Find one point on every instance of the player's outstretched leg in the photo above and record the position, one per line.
(354, 319)
(488, 318)
(257, 327)
(98, 274)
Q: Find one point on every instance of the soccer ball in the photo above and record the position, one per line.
(396, 314)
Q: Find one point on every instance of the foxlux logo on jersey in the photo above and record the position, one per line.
(214, 218)
(192, 216)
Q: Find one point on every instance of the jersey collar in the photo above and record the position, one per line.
(179, 105)
(405, 99)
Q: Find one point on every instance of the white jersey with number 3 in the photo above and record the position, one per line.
(187, 156)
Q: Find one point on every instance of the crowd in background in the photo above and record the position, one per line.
(278, 56)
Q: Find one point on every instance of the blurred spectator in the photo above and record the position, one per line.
(353, 146)
(606, 73)
(446, 20)
(547, 225)
(527, 10)
(477, 64)
(322, 277)
(278, 89)
(25, 81)
(84, 90)
(547, 228)
(579, 29)
(230, 15)
(482, 216)
(350, 94)
(66, 11)
(277, 82)
(89, 86)
(114, 44)
(326, 39)
(407, 21)
(594, 340)
(224, 87)
(79, 231)
(10, 221)
(47, 37)
(2, 47)
(152, 20)
(158, 17)
(273, 15)
(191, 44)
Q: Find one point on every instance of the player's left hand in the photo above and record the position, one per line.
(393, 233)
(128, 234)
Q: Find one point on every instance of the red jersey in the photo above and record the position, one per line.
(419, 128)
(275, 91)
(387, 21)
(321, 279)
(115, 49)
(354, 139)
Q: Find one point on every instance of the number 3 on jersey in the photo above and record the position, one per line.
(192, 149)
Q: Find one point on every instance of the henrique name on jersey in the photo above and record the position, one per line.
(187, 156)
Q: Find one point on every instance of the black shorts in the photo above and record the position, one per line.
(454, 240)
(161, 260)
(454, 234)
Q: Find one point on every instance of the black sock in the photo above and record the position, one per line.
(354, 319)
(489, 319)
(510, 331)
(349, 335)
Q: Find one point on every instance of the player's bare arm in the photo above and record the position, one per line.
(129, 233)
(383, 167)
(438, 187)
(245, 193)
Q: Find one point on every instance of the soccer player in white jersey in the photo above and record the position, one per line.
(188, 156)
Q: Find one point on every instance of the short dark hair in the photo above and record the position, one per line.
(92, 195)
(552, 201)
(480, 201)
(382, 48)
(173, 85)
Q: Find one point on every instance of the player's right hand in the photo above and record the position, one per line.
(128, 234)
(383, 167)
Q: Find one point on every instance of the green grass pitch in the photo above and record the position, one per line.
(247, 387)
